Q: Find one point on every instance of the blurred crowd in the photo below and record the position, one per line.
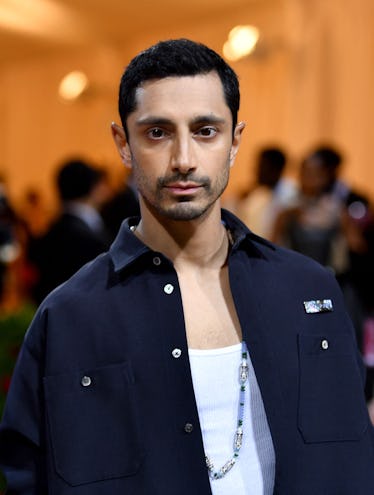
(40, 250)
(320, 215)
(316, 213)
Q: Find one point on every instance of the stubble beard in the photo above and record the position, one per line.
(183, 208)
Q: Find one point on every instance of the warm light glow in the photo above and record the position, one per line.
(73, 85)
(38, 17)
(241, 42)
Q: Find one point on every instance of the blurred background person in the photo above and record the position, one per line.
(34, 212)
(78, 234)
(122, 204)
(270, 194)
(331, 160)
(357, 281)
(357, 224)
(10, 247)
(313, 226)
(334, 224)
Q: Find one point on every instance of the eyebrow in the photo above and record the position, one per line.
(200, 119)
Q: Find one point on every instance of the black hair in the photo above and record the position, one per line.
(180, 57)
(274, 156)
(271, 163)
(328, 156)
(76, 178)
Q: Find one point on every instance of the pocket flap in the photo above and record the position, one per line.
(331, 400)
(93, 423)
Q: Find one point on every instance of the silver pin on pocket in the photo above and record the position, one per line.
(318, 306)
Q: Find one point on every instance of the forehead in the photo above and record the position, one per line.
(199, 93)
(314, 164)
(313, 168)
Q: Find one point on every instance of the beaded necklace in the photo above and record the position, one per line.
(238, 436)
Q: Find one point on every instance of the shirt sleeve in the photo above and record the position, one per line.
(22, 458)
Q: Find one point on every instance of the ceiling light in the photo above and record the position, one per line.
(39, 17)
(241, 42)
(73, 85)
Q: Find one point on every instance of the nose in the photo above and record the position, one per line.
(182, 158)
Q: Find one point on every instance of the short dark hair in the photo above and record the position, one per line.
(76, 178)
(180, 57)
(271, 162)
(274, 156)
(329, 156)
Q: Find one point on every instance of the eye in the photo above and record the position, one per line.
(207, 131)
(156, 133)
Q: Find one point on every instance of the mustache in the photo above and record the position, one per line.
(178, 177)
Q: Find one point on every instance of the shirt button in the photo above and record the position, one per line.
(176, 353)
(168, 289)
(157, 261)
(325, 344)
(86, 381)
(188, 428)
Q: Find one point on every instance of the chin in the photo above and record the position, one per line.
(184, 211)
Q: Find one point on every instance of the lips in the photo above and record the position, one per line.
(183, 187)
(183, 184)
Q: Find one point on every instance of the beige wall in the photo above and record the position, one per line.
(41, 130)
(312, 81)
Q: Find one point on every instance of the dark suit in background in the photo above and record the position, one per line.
(78, 234)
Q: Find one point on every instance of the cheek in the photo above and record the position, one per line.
(220, 175)
(140, 177)
(150, 161)
(146, 177)
(223, 164)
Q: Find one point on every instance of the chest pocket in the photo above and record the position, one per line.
(331, 400)
(93, 424)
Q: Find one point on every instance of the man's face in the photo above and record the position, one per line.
(314, 177)
(180, 145)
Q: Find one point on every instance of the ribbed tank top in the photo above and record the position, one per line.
(215, 375)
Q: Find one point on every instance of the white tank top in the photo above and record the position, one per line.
(215, 376)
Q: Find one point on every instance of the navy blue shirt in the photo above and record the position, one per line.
(100, 404)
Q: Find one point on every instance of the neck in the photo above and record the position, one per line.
(202, 242)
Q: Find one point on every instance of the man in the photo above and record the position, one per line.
(271, 193)
(122, 204)
(78, 234)
(133, 372)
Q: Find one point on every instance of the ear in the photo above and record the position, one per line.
(239, 128)
(122, 144)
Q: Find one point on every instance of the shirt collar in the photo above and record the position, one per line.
(127, 248)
